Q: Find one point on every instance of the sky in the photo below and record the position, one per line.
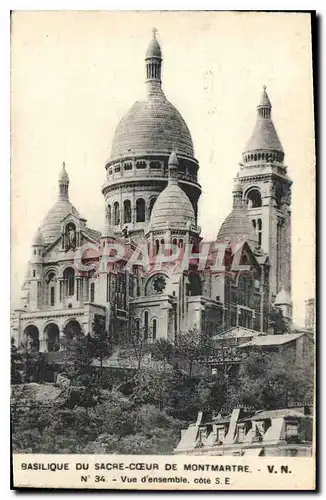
(75, 74)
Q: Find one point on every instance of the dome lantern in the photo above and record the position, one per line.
(63, 183)
(173, 167)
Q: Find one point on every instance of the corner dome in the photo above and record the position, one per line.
(238, 227)
(151, 127)
(51, 226)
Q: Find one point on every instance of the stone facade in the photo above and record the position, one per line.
(151, 200)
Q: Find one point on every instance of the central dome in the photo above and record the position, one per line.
(51, 226)
(152, 126)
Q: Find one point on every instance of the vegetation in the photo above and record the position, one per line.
(97, 413)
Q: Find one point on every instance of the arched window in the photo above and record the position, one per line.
(181, 243)
(162, 246)
(260, 231)
(254, 198)
(52, 336)
(140, 210)
(69, 280)
(126, 211)
(52, 296)
(255, 157)
(154, 328)
(151, 205)
(116, 214)
(31, 335)
(155, 164)
(141, 164)
(263, 156)
(157, 247)
(92, 292)
(145, 325)
(108, 214)
(175, 241)
(254, 223)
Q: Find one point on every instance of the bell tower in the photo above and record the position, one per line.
(267, 195)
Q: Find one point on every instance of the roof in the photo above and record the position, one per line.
(270, 340)
(283, 413)
(238, 227)
(151, 126)
(264, 137)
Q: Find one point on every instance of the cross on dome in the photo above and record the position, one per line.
(154, 30)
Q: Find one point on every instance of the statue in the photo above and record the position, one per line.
(70, 237)
(125, 232)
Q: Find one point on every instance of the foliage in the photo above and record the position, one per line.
(192, 346)
(17, 363)
(114, 425)
(95, 417)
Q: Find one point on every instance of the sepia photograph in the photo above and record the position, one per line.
(163, 249)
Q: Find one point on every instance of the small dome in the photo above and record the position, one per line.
(51, 226)
(154, 49)
(151, 126)
(238, 227)
(38, 239)
(283, 298)
(172, 208)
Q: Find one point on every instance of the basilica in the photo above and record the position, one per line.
(151, 194)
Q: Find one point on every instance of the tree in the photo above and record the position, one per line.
(153, 385)
(136, 347)
(274, 380)
(162, 350)
(277, 321)
(99, 343)
(193, 346)
(77, 358)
